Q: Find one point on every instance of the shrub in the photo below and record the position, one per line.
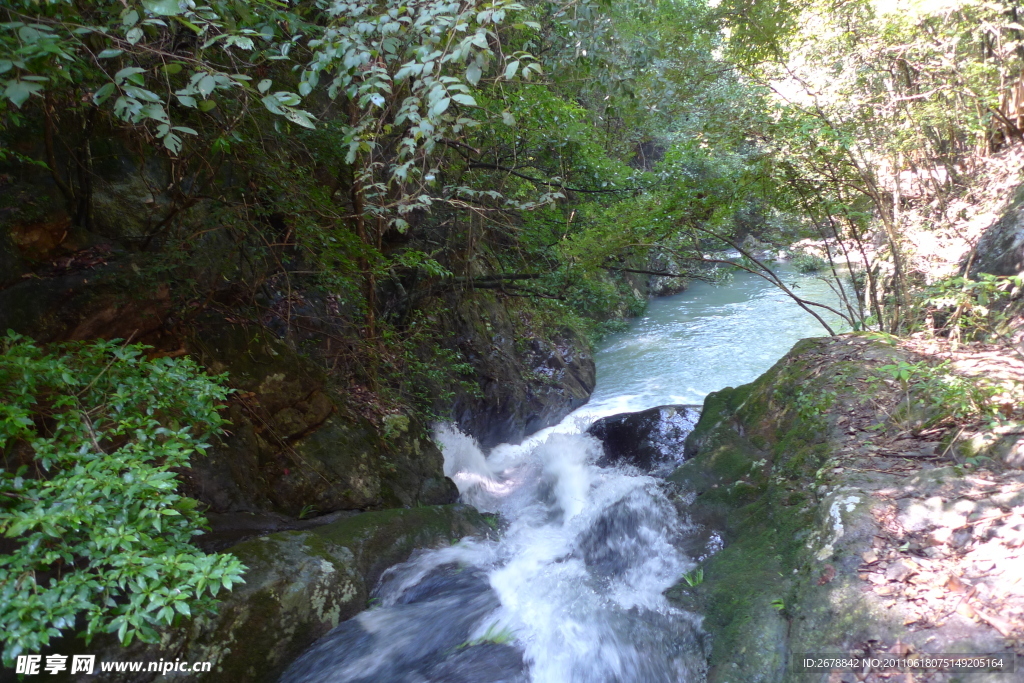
(93, 432)
(808, 263)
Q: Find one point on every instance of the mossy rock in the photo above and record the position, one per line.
(754, 460)
(298, 586)
(530, 374)
(292, 446)
(797, 500)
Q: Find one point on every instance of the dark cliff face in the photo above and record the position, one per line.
(1000, 250)
(528, 377)
(294, 444)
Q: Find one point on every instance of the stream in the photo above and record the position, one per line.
(570, 588)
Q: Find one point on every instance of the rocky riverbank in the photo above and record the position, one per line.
(860, 512)
(300, 584)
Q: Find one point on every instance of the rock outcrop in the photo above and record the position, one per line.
(1000, 250)
(300, 585)
(293, 448)
(528, 379)
(850, 522)
(652, 440)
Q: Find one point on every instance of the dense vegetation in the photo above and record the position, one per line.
(348, 173)
(103, 536)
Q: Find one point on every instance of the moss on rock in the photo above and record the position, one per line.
(298, 586)
(782, 468)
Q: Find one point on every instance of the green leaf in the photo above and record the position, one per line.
(165, 8)
(101, 95)
(188, 24)
(19, 91)
(464, 99)
(109, 53)
(127, 72)
(440, 107)
(473, 73)
(206, 85)
(264, 85)
(510, 70)
(272, 104)
(300, 117)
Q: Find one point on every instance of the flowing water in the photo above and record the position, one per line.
(571, 590)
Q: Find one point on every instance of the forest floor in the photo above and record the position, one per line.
(947, 552)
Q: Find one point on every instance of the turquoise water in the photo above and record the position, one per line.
(704, 339)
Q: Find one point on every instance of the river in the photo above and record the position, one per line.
(570, 588)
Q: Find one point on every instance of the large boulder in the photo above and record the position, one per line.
(1000, 250)
(527, 380)
(299, 585)
(840, 526)
(293, 449)
(651, 440)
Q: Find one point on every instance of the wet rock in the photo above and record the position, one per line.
(299, 586)
(651, 440)
(424, 635)
(616, 542)
(485, 663)
(526, 382)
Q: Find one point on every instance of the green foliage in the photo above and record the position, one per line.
(99, 532)
(127, 58)
(808, 263)
(694, 578)
(967, 309)
(942, 393)
(144, 60)
(496, 634)
(811, 405)
(420, 369)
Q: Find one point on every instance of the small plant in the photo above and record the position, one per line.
(944, 394)
(966, 309)
(494, 634)
(976, 460)
(694, 578)
(492, 520)
(811, 406)
(779, 604)
(902, 370)
(308, 511)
